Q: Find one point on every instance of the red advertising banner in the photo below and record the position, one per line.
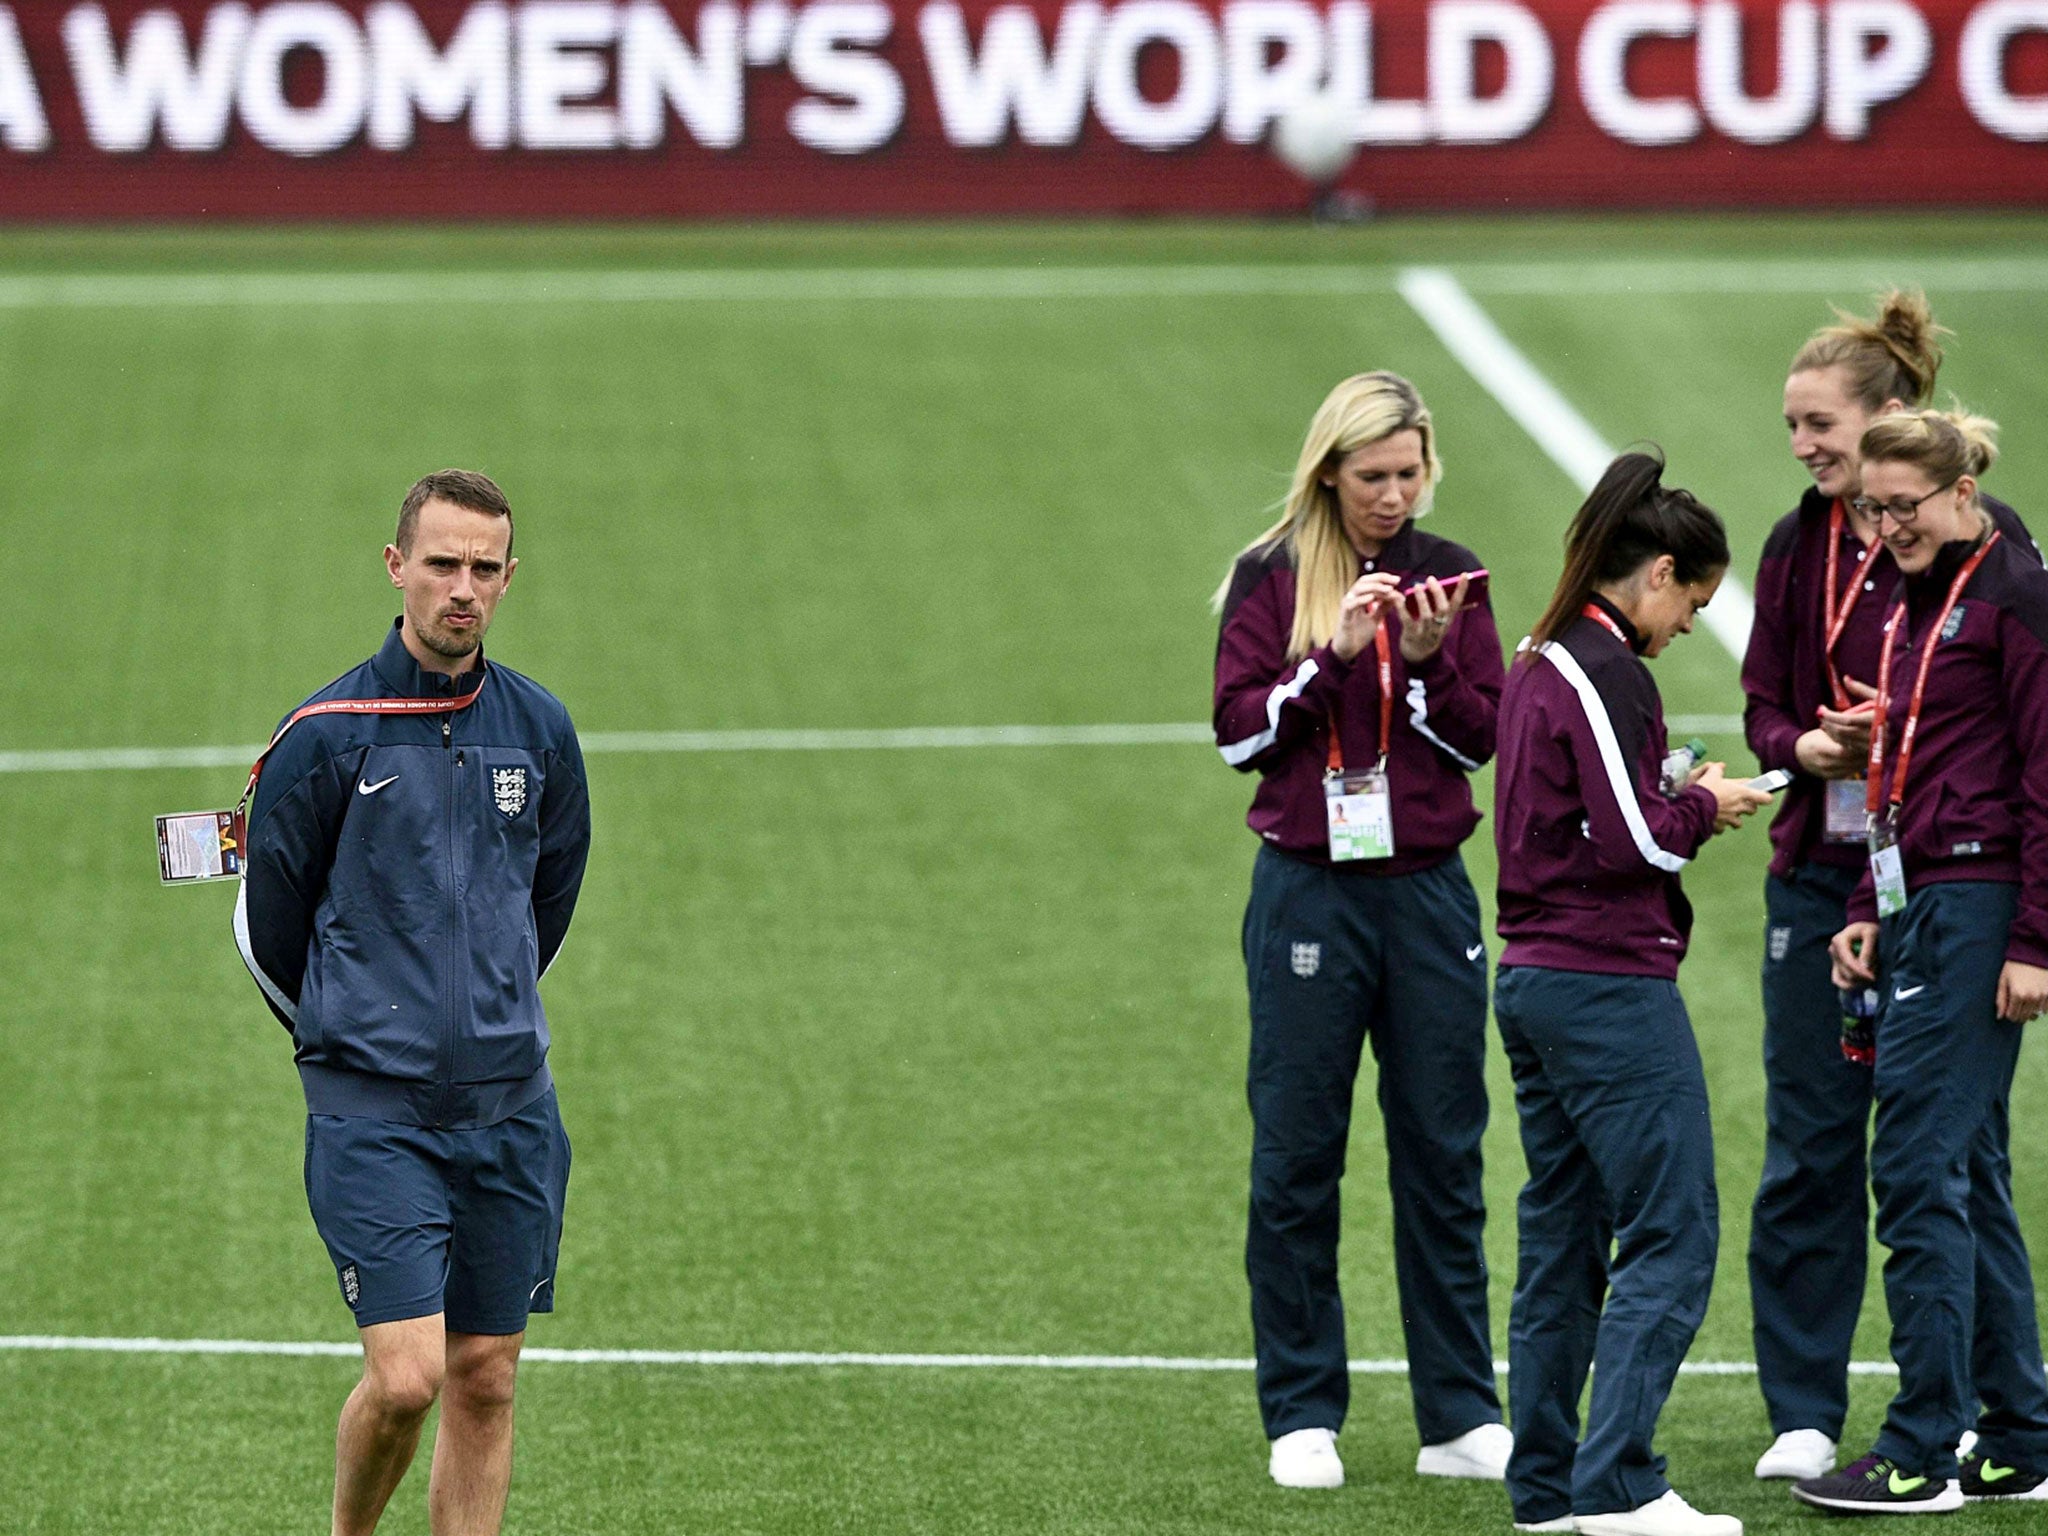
(317, 109)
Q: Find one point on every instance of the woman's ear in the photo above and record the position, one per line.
(1663, 571)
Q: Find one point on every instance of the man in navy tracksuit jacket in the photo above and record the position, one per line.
(413, 864)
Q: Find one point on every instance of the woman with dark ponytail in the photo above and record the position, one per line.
(1593, 824)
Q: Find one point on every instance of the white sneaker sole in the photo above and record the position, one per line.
(1312, 1480)
(1785, 1469)
(1435, 1461)
(1945, 1502)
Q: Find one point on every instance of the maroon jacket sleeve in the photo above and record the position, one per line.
(1265, 705)
(1629, 819)
(1769, 719)
(1461, 683)
(2025, 649)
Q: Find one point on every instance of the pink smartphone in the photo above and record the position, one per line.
(1475, 585)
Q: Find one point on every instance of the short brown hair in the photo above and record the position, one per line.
(1894, 357)
(459, 487)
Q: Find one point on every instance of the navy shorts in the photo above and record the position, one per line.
(420, 1221)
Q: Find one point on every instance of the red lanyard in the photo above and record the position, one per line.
(1838, 618)
(1385, 648)
(1884, 681)
(1601, 616)
(446, 706)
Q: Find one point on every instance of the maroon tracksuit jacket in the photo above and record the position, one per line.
(1976, 792)
(1784, 672)
(1274, 716)
(1590, 845)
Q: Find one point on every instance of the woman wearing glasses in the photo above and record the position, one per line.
(1950, 921)
(1358, 672)
(1822, 589)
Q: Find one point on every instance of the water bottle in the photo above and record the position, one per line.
(1859, 1025)
(1681, 761)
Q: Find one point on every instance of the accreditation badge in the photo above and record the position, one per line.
(1361, 814)
(1887, 869)
(1847, 820)
(200, 845)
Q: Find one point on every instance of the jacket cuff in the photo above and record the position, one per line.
(1710, 811)
(1434, 664)
(2026, 949)
(1777, 746)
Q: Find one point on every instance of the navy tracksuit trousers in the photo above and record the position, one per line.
(1613, 1109)
(1334, 958)
(1809, 1229)
(1943, 1180)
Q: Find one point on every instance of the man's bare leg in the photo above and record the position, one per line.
(403, 1367)
(473, 1447)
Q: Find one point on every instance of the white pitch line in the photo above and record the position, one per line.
(1469, 335)
(1655, 275)
(1652, 275)
(780, 1358)
(905, 739)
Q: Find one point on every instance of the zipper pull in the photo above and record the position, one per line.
(447, 730)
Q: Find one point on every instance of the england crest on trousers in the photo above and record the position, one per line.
(1308, 959)
(508, 789)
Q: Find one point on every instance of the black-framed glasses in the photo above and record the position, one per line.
(1900, 511)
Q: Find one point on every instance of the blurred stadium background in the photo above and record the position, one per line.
(924, 1039)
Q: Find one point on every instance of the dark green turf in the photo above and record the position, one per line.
(924, 1051)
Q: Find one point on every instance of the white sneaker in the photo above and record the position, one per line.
(1561, 1523)
(1668, 1516)
(1798, 1453)
(1481, 1452)
(1306, 1458)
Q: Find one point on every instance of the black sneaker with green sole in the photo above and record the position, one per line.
(1877, 1485)
(1986, 1477)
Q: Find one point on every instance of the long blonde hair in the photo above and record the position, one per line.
(1364, 409)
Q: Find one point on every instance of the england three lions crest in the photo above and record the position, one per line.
(508, 789)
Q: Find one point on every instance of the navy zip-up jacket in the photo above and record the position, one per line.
(1275, 718)
(1590, 845)
(1784, 672)
(409, 879)
(1976, 795)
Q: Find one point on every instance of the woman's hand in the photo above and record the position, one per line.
(1854, 953)
(1734, 797)
(1435, 605)
(2022, 992)
(1359, 614)
(1823, 754)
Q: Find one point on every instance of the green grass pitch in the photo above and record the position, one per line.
(933, 1051)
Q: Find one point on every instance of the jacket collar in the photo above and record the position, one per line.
(1629, 632)
(394, 664)
(1931, 585)
(1397, 554)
